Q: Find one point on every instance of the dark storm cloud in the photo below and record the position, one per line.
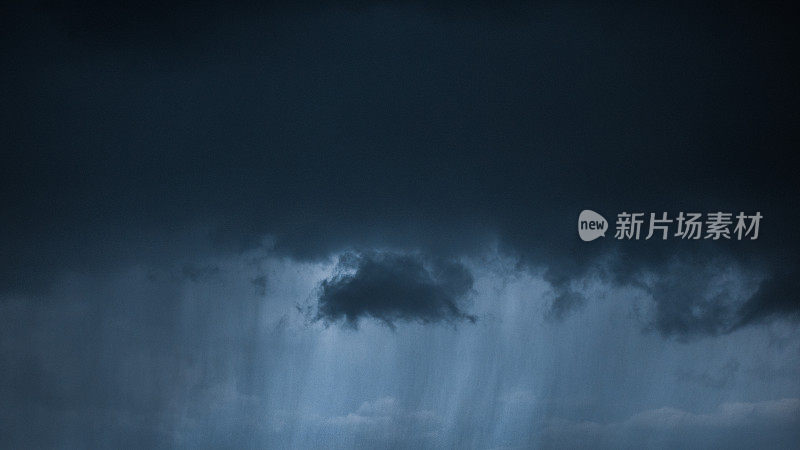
(776, 297)
(565, 301)
(260, 283)
(146, 146)
(126, 130)
(394, 287)
(688, 306)
(710, 296)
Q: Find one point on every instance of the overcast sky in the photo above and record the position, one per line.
(354, 226)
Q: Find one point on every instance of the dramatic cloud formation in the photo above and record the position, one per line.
(178, 178)
(324, 140)
(700, 299)
(391, 287)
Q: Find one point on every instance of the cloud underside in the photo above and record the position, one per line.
(393, 287)
(687, 297)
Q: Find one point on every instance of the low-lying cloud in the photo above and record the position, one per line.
(393, 287)
(763, 424)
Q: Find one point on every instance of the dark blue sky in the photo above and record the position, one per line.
(354, 225)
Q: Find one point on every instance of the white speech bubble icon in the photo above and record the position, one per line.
(591, 225)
